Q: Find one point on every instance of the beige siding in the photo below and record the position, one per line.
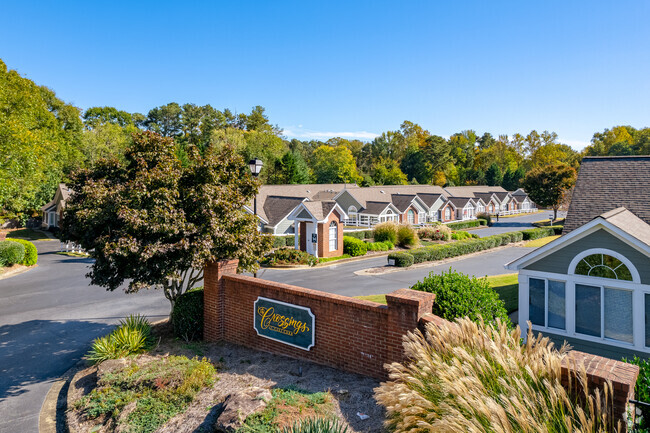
(558, 262)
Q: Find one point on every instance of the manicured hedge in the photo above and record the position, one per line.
(283, 241)
(463, 225)
(402, 259)
(557, 229)
(11, 253)
(31, 253)
(187, 315)
(363, 234)
(459, 248)
(482, 222)
(289, 256)
(379, 246)
(354, 247)
(538, 233)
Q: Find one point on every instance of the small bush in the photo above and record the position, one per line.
(420, 255)
(379, 246)
(132, 336)
(364, 234)
(538, 233)
(461, 236)
(11, 253)
(31, 253)
(289, 256)
(486, 217)
(279, 242)
(463, 225)
(187, 315)
(316, 425)
(482, 222)
(401, 259)
(289, 240)
(642, 390)
(406, 236)
(459, 295)
(557, 229)
(354, 247)
(385, 232)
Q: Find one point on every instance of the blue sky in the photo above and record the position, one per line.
(353, 69)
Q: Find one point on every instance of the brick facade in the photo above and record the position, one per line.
(404, 218)
(442, 213)
(324, 237)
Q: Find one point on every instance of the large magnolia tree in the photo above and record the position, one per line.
(154, 222)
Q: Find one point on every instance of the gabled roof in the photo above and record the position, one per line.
(607, 182)
(276, 208)
(62, 194)
(519, 193)
(430, 199)
(471, 190)
(487, 197)
(377, 208)
(620, 222)
(461, 202)
(502, 196)
(383, 193)
(320, 210)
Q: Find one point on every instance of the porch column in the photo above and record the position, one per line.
(296, 233)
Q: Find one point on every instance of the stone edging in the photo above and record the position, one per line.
(390, 269)
(56, 402)
(17, 271)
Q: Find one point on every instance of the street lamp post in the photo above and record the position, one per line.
(255, 165)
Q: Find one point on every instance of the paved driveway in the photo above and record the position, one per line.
(512, 224)
(48, 318)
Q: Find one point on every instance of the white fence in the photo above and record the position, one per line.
(71, 247)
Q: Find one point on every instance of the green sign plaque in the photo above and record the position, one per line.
(287, 323)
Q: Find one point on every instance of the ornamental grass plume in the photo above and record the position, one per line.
(478, 377)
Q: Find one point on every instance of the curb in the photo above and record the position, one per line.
(51, 418)
(17, 271)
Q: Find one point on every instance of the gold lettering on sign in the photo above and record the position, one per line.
(279, 323)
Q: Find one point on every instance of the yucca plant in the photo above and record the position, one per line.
(477, 377)
(132, 336)
(316, 425)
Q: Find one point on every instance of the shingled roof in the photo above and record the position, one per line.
(606, 183)
(472, 190)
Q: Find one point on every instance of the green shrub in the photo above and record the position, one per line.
(379, 246)
(485, 217)
(538, 233)
(354, 247)
(11, 253)
(402, 259)
(461, 236)
(363, 234)
(316, 425)
(289, 240)
(132, 336)
(517, 236)
(406, 236)
(385, 232)
(642, 390)
(289, 256)
(459, 295)
(279, 242)
(435, 232)
(463, 225)
(557, 229)
(420, 255)
(31, 253)
(187, 315)
(482, 221)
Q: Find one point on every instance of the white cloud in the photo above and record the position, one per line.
(299, 132)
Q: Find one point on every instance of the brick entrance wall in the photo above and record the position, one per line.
(351, 334)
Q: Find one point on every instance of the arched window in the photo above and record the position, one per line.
(603, 263)
(447, 213)
(352, 210)
(410, 216)
(334, 236)
(603, 266)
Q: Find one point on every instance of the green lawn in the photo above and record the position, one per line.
(28, 234)
(541, 241)
(506, 285)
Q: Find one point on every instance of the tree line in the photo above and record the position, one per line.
(43, 140)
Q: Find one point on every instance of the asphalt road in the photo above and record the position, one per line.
(48, 318)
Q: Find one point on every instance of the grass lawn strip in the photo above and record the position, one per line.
(287, 406)
(30, 235)
(506, 286)
(541, 241)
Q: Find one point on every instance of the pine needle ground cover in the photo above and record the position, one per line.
(478, 378)
(141, 397)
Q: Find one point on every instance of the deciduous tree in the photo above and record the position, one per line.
(546, 186)
(151, 222)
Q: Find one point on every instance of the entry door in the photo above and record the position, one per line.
(334, 233)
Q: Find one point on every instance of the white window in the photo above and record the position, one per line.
(352, 211)
(547, 303)
(447, 213)
(334, 236)
(410, 216)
